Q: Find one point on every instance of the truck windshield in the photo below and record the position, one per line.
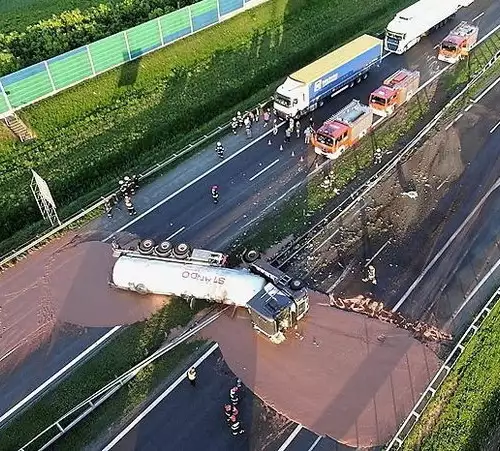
(449, 46)
(326, 140)
(282, 100)
(378, 100)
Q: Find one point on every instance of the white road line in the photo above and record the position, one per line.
(175, 233)
(157, 401)
(486, 91)
(436, 75)
(436, 46)
(290, 438)
(269, 166)
(385, 55)
(469, 107)
(314, 444)
(445, 247)
(192, 182)
(477, 17)
(449, 126)
(49, 381)
(458, 117)
(495, 127)
(476, 289)
(378, 252)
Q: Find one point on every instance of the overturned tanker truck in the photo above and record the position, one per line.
(275, 301)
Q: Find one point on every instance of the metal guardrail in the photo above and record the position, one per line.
(71, 418)
(439, 378)
(14, 254)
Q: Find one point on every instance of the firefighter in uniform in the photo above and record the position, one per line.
(130, 206)
(230, 411)
(234, 125)
(191, 375)
(235, 425)
(219, 148)
(233, 396)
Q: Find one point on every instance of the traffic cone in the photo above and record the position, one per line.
(302, 158)
(269, 142)
(317, 165)
(281, 146)
(293, 153)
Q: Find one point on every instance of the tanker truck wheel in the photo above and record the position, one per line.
(146, 246)
(251, 255)
(164, 249)
(296, 284)
(182, 250)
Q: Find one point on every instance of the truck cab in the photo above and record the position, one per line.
(342, 130)
(458, 43)
(280, 305)
(291, 98)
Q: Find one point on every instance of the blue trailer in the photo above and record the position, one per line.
(305, 90)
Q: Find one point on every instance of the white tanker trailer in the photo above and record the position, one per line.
(275, 301)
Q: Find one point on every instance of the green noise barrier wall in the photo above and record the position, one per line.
(44, 79)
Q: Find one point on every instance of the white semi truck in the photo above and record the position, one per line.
(274, 300)
(416, 21)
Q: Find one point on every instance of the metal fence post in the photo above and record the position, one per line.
(191, 19)
(218, 10)
(5, 95)
(161, 32)
(90, 60)
(127, 44)
(50, 76)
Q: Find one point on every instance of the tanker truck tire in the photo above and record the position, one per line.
(141, 289)
(164, 249)
(296, 284)
(146, 246)
(182, 250)
(251, 255)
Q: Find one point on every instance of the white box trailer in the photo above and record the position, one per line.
(416, 21)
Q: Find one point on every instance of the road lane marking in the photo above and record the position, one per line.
(458, 117)
(191, 183)
(290, 438)
(269, 166)
(445, 247)
(53, 378)
(486, 36)
(495, 127)
(158, 400)
(175, 234)
(477, 17)
(378, 252)
(449, 126)
(469, 107)
(314, 444)
(486, 91)
(476, 289)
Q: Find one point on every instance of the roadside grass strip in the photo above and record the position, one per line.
(464, 414)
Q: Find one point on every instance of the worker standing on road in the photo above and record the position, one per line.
(130, 206)
(219, 148)
(239, 118)
(251, 116)
(108, 207)
(234, 125)
(215, 193)
(248, 129)
(229, 411)
(191, 375)
(291, 123)
(233, 396)
(307, 135)
(288, 134)
(235, 425)
(297, 128)
(275, 127)
(267, 116)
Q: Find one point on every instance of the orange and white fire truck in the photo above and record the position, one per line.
(458, 42)
(342, 130)
(396, 90)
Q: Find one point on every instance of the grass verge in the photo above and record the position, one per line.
(131, 346)
(144, 111)
(464, 414)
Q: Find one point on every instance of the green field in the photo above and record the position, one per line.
(465, 413)
(15, 15)
(144, 111)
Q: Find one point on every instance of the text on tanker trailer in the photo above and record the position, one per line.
(342, 130)
(396, 90)
(417, 20)
(459, 41)
(306, 89)
(274, 301)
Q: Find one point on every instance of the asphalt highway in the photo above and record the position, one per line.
(249, 183)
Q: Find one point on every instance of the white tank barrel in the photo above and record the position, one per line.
(212, 283)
